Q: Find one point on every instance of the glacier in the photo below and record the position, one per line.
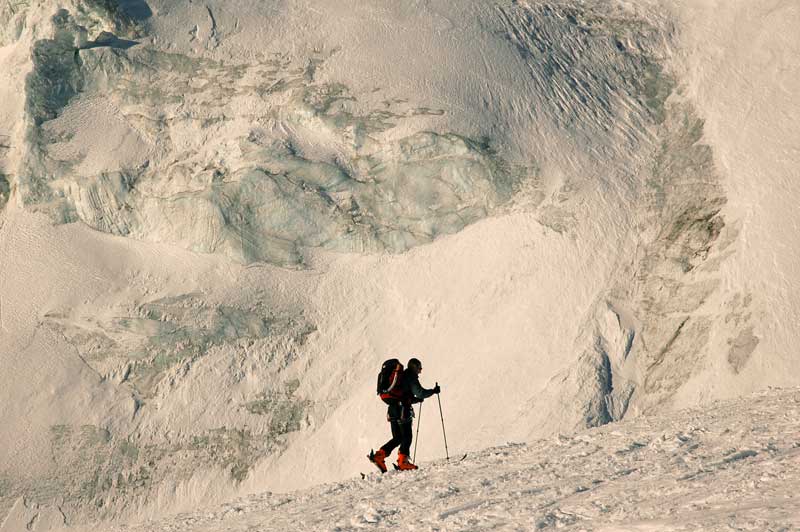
(217, 219)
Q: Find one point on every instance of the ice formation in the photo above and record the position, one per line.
(217, 219)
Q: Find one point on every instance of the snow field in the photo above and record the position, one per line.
(732, 465)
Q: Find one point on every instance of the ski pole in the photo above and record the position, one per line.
(446, 452)
(416, 440)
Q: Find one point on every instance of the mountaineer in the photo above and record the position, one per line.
(400, 388)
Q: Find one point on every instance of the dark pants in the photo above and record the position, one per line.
(401, 435)
(401, 420)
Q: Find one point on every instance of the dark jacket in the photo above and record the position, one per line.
(413, 392)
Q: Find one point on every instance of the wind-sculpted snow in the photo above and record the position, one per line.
(731, 466)
(563, 45)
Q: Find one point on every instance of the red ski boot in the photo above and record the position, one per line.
(403, 464)
(379, 459)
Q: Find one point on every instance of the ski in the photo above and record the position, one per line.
(397, 468)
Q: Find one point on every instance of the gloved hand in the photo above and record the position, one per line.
(437, 388)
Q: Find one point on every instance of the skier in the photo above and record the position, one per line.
(400, 415)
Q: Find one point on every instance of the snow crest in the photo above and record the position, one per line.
(732, 465)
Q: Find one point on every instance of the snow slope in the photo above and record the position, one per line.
(727, 466)
(217, 219)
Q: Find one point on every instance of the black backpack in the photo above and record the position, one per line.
(390, 387)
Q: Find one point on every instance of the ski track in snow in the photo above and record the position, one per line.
(732, 466)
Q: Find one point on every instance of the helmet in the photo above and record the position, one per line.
(415, 364)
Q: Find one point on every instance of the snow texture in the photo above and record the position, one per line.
(728, 466)
(218, 218)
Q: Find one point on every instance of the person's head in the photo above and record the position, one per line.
(415, 365)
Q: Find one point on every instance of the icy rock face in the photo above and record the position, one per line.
(5, 190)
(676, 270)
(648, 332)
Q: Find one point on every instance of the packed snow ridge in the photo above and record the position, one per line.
(731, 465)
(217, 219)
